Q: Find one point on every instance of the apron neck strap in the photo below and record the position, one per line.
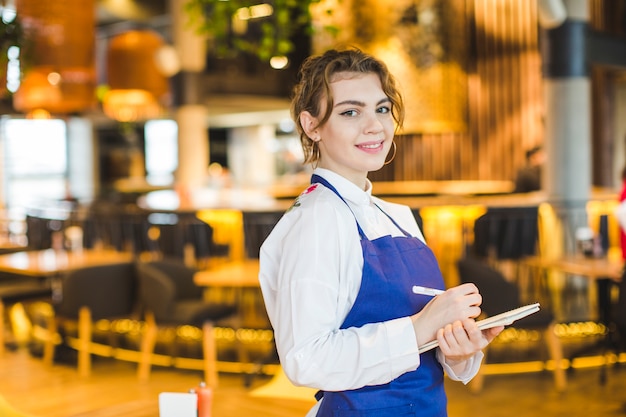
(318, 179)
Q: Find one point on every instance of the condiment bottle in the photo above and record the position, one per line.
(205, 400)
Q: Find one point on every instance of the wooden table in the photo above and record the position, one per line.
(604, 272)
(50, 262)
(242, 277)
(243, 274)
(592, 268)
(7, 246)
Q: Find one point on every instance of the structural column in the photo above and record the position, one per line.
(251, 157)
(191, 114)
(567, 89)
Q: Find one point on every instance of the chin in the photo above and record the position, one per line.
(375, 166)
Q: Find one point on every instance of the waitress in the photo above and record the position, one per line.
(338, 269)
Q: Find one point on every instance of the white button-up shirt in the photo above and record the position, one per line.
(311, 269)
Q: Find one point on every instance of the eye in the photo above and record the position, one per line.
(349, 113)
(383, 109)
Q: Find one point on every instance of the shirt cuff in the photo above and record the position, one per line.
(402, 345)
(472, 365)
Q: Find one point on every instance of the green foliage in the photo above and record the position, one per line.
(215, 19)
(11, 34)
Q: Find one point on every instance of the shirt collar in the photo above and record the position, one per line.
(346, 188)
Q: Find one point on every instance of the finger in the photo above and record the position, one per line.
(443, 343)
(460, 333)
(491, 333)
(474, 299)
(473, 312)
(454, 338)
(466, 288)
(471, 328)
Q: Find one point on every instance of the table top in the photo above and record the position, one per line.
(592, 268)
(50, 262)
(7, 246)
(243, 274)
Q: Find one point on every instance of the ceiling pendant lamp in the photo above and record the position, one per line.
(138, 88)
(59, 68)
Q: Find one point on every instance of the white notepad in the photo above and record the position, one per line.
(502, 319)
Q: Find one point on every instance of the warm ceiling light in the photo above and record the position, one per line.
(61, 75)
(254, 12)
(38, 114)
(261, 10)
(167, 60)
(131, 105)
(36, 92)
(54, 78)
(136, 80)
(279, 62)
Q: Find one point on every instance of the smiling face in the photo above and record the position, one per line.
(358, 134)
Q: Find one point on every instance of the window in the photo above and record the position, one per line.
(161, 138)
(35, 162)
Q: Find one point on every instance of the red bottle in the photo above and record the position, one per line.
(205, 400)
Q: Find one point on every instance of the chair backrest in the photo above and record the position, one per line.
(108, 291)
(181, 276)
(498, 294)
(157, 291)
(163, 283)
(506, 232)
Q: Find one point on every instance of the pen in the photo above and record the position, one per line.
(418, 289)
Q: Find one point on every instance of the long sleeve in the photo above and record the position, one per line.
(309, 291)
(311, 267)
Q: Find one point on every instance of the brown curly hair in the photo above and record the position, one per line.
(314, 78)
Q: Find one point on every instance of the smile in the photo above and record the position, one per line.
(376, 145)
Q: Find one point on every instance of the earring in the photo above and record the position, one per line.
(393, 144)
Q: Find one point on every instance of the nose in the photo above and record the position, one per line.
(373, 124)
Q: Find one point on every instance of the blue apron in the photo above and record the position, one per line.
(391, 266)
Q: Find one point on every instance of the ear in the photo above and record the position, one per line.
(309, 125)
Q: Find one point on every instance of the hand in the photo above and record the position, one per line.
(460, 340)
(456, 304)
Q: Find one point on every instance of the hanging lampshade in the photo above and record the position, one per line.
(60, 74)
(137, 88)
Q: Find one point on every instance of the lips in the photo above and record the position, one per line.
(371, 147)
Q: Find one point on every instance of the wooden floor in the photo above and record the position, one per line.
(113, 390)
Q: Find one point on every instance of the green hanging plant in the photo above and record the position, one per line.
(11, 34)
(262, 29)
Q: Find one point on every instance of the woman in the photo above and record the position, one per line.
(338, 269)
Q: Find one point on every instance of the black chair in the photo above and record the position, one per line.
(500, 295)
(506, 232)
(87, 295)
(169, 297)
(257, 225)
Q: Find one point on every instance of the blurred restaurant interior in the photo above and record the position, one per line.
(141, 131)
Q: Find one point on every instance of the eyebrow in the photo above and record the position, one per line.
(360, 103)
